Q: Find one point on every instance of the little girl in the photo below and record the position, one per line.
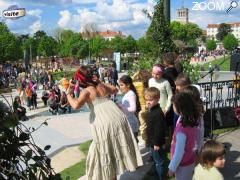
(183, 146)
(212, 157)
(130, 102)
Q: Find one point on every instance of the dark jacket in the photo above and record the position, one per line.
(155, 127)
(171, 74)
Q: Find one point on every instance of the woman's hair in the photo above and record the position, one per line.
(152, 92)
(169, 58)
(17, 98)
(125, 79)
(183, 80)
(211, 150)
(194, 92)
(187, 107)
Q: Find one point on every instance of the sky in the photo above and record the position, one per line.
(116, 15)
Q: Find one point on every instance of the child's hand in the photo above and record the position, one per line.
(171, 173)
(156, 148)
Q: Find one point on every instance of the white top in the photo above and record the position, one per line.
(165, 92)
(129, 106)
(201, 173)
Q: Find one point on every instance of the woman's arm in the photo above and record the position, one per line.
(77, 103)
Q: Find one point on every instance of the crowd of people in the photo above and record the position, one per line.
(160, 109)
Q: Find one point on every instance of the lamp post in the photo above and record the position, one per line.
(167, 11)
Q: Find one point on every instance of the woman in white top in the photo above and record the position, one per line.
(163, 86)
(130, 102)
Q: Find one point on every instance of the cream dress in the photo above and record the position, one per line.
(114, 149)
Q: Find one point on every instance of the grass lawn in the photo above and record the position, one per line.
(79, 169)
(225, 66)
(224, 130)
(59, 75)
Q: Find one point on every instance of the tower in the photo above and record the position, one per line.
(182, 14)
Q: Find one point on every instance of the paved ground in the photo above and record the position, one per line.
(231, 170)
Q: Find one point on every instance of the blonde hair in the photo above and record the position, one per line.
(152, 92)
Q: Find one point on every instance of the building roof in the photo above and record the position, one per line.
(217, 25)
(109, 33)
(104, 34)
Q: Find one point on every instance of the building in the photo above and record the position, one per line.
(183, 14)
(109, 35)
(212, 30)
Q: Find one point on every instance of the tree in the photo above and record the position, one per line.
(79, 48)
(117, 44)
(9, 45)
(160, 31)
(230, 42)
(29, 44)
(57, 32)
(185, 32)
(130, 44)
(90, 30)
(39, 34)
(47, 46)
(223, 30)
(97, 45)
(211, 45)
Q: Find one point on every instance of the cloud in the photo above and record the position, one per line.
(84, 1)
(120, 15)
(36, 12)
(36, 26)
(65, 18)
(28, 24)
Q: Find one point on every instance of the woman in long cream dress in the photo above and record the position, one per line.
(114, 149)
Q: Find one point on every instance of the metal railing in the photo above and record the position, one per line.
(224, 93)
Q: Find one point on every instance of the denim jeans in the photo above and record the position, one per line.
(158, 158)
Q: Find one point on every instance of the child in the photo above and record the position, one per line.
(155, 128)
(183, 152)
(130, 102)
(163, 86)
(194, 92)
(212, 157)
(140, 81)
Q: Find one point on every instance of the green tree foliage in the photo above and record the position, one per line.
(187, 33)
(130, 44)
(47, 46)
(223, 30)
(211, 45)
(97, 45)
(79, 48)
(230, 42)
(30, 44)
(9, 45)
(39, 35)
(145, 46)
(117, 44)
(159, 31)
